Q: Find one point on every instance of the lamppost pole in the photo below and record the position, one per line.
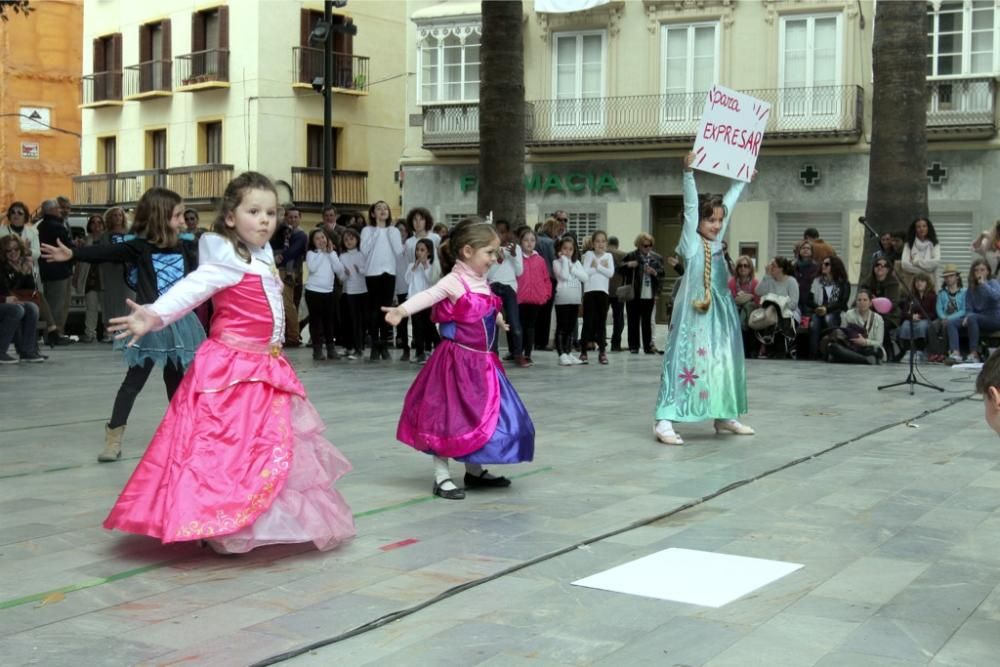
(327, 106)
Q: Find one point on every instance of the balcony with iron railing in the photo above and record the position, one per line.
(961, 108)
(101, 89)
(147, 80)
(198, 183)
(201, 70)
(828, 114)
(350, 72)
(349, 188)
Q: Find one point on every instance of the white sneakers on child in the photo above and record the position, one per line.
(566, 359)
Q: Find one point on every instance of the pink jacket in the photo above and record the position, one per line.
(534, 285)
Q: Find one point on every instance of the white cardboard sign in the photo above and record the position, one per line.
(730, 133)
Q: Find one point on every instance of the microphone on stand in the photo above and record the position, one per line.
(864, 221)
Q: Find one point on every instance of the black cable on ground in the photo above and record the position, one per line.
(455, 590)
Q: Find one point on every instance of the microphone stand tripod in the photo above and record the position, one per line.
(911, 379)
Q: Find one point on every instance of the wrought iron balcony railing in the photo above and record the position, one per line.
(197, 182)
(826, 112)
(148, 78)
(961, 106)
(202, 69)
(102, 88)
(350, 188)
(350, 72)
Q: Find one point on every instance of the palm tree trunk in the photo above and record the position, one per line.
(501, 112)
(897, 165)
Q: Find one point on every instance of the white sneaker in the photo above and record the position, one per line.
(664, 432)
(565, 360)
(576, 361)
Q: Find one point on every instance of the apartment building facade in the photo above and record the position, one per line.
(614, 94)
(186, 94)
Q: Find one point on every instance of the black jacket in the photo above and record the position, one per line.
(154, 269)
(633, 276)
(50, 230)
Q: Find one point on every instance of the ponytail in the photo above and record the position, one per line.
(703, 305)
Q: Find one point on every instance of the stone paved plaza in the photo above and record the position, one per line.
(891, 502)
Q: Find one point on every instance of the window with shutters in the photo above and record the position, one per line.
(107, 77)
(809, 69)
(448, 68)
(790, 227)
(578, 78)
(209, 58)
(690, 69)
(314, 146)
(453, 219)
(156, 149)
(107, 155)
(955, 235)
(311, 55)
(154, 56)
(210, 142)
(582, 224)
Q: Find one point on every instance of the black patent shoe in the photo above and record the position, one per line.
(448, 494)
(478, 481)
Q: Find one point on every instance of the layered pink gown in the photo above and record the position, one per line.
(240, 458)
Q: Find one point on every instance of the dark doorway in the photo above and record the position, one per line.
(665, 226)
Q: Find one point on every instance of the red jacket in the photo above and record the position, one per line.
(534, 286)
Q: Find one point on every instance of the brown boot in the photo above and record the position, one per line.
(112, 444)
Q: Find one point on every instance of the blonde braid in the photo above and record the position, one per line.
(702, 306)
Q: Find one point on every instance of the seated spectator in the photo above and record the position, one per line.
(18, 224)
(18, 312)
(950, 306)
(806, 270)
(886, 248)
(779, 290)
(882, 283)
(820, 248)
(859, 340)
(982, 312)
(21, 278)
(918, 311)
(922, 253)
(742, 286)
(827, 298)
(987, 245)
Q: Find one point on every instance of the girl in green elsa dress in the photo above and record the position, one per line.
(703, 369)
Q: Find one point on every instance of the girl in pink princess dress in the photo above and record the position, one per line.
(461, 405)
(240, 459)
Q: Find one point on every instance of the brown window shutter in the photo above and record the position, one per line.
(197, 32)
(305, 21)
(224, 27)
(145, 44)
(167, 51)
(115, 88)
(99, 55)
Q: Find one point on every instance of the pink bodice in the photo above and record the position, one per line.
(242, 312)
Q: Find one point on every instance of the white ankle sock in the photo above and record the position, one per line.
(441, 473)
(664, 426)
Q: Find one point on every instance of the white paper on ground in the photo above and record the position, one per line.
(696, 577)
(968, 366)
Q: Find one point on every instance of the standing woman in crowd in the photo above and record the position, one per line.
(828, 297)
(534, 289)
(461, 405)
(240, 459)
(922, 253)
(159, 258)
(570, 277)
(402, 333)
(324, 267)
(355, 291)
(987, 245)
(114, 289)
(87, 281)
(982, 312)
(545, 245)
(381, 244)
(599, 265)
(704, 375)
(643, 270)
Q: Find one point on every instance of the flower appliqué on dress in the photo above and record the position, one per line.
(703, 395)
(702, 352)
(688, 377)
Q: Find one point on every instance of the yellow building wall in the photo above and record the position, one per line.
(40, 65)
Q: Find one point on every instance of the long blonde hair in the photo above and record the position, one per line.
(704, 304)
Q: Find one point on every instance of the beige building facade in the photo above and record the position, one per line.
(614, 94)
(187, 94)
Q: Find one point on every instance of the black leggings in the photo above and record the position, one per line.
(135, 380)
(322, 317)
(595, 320)
(566, 326)
(357, 309)
(529, 318)
(423, 330)
(401, 333)
(381, 290)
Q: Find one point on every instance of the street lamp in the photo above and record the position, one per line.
(323, 32)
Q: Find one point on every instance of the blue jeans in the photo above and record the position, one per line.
(913, 330)
(19, 324)
(511, 314)
(974, 322)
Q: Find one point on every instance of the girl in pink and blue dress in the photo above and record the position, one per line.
(462, 405)
(240, 459)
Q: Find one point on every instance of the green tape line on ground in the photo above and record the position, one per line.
(91, 583)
